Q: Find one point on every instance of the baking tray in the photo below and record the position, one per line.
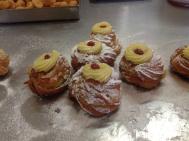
(39, 14)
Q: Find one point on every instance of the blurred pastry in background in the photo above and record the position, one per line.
(180, 3)
(92, 51)
(141, 67)
(28, 4)
(180, 61)
(49, 75)
(104, 33)
(96, 87)
(4, 63)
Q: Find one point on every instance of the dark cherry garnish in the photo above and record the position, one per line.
(47, 56)
(91, 43)
(103, 26)
(139, 51)
(95, 66)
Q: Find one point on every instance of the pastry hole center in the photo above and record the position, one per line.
(139, 51)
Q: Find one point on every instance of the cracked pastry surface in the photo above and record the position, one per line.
(4, 62)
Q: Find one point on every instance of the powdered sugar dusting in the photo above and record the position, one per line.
(103, 38)
(105, 54)
(96, 95)
(153, 70)
(107, 39)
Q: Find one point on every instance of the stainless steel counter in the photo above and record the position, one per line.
(161, 114)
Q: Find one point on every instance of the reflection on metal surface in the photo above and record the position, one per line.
(165, 124)
(113, 131)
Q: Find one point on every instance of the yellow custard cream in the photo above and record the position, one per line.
(186, 52)
(3, 55)
(46, 62)
(138, 53)
(100, 72)
(90, 47)
(102, 28)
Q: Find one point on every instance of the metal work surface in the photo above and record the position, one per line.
(161, 114)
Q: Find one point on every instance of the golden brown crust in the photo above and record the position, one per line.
(147, 75)
(28, 4)
(52, 82)
(42, 92)
(4, 63)
(180, 64)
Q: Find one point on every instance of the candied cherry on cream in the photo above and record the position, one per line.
(91, 44)
(47, 56)
(139, 51)
(95, 66)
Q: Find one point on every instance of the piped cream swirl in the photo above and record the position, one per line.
(101, 73)
(46, 62)
(102, 28)
(90, 47)
(186, 52)
(138, 53)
